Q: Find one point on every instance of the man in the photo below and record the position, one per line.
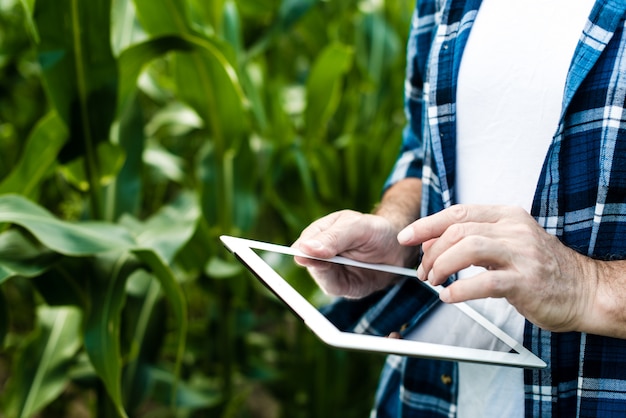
(512, 179)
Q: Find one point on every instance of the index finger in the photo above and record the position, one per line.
(435, 225)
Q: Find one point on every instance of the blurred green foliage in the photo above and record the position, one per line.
(132, 134)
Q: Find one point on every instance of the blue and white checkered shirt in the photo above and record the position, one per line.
(580, 198)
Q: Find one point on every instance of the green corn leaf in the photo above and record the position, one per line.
(75, 239)
(231, 26)
(292, 10)
(4, 318)
(20, 256)
(108, 156)
(125, 28)
(219, 268)
(169, 229)
(324, 86)
(207, 81)
(78, 67)
(80, 76)
(324, 162)
(103, 323)
(207, 15)
(263, 9)
(176, 298)
(38, 157)
(169, 17)
(165, 164)
(216, 58)
(174, 119)
(161, 237)
(159, 240)
(133, 60)
(125, 194)
(187, 397)
(29, 6)
(378, 46)
(289, 14)
(255, 87)
(142, 328)
(42, 367)
(66, 282)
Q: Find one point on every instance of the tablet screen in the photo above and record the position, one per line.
(465, 336)
(329, 298)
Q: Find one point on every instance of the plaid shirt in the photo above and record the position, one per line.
(580, 198)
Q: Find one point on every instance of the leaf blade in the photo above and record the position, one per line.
(103, 321)
(38, 156)
(42, 368)
(76, 239)
(323, 85)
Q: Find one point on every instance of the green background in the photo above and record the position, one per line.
(133, 133)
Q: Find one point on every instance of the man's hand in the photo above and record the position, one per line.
(362, 237)
(553, 286)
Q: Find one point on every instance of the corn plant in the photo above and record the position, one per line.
(132, 134)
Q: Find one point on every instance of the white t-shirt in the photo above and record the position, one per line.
(510, 89)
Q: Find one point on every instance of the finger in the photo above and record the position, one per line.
(311, 263)
(435, 225)
(339, 280)
(428, 244)
(309, 242)
(458, 249)
(489, 284)
(329, 280)
(434, 248)
(330, 235)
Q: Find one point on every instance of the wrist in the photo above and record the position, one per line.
(401, 206)
(607, 313)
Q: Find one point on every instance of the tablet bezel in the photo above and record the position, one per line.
(243, 249)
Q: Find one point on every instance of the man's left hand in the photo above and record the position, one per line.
(550, 284)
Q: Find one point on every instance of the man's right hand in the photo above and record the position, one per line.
(370, 238)
(362, 237)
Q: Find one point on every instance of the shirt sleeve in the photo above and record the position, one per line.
(411, 156)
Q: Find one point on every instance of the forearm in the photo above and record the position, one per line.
(401, 205)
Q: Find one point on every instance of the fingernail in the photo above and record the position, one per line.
(445, 295)
(420, 272)
(405, 235)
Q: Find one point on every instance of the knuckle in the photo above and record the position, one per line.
(456, 232)
(495, 285)
(348, 213)
(477, 244)
(523, 227)
(458, 213)
(518, 211)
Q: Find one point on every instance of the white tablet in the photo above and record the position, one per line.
(274, 266)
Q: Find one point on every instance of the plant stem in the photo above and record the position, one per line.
(91, 161)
